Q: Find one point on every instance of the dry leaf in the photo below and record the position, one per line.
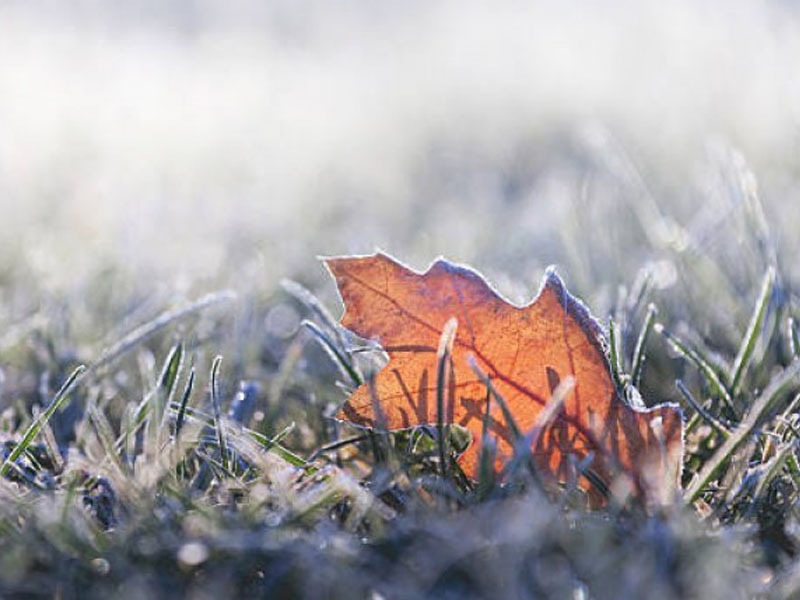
(526, 352)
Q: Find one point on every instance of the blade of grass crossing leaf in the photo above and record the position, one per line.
(523, 446)
(777, 387)
(510, 420)
(36, 425)
(215, 403)
(637, 360)
(442, 375)
(551, 409)
(380, 438)
(754, 329)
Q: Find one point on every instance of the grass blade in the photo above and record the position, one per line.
(702, 365)
(708, 417)
(486, 478)
(637, 360)
(524, 446)
(279, 437)
(187, 392)
(754, 329)
(794, 337)
(215, 403)
(443, 366)
(335, 445)
(168, 379)
(310, 301)
(772, 468)
(105, 434)
(36, 425)
(339, 358)
(487, 381)
(614, 354)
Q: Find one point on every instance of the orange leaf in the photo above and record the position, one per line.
(525, 352)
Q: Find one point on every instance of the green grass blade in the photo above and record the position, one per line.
(279, 437)
(168, 379)
(36, 425)
(187, 392)
(705, 368)
(335, 445)
(637, 360)
(754, 329)
(215, 403)
(710, 419)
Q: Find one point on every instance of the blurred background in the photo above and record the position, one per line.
(160, 149)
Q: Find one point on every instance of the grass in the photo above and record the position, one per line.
(196, 455)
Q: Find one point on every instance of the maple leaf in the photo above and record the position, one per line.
(525, 353)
